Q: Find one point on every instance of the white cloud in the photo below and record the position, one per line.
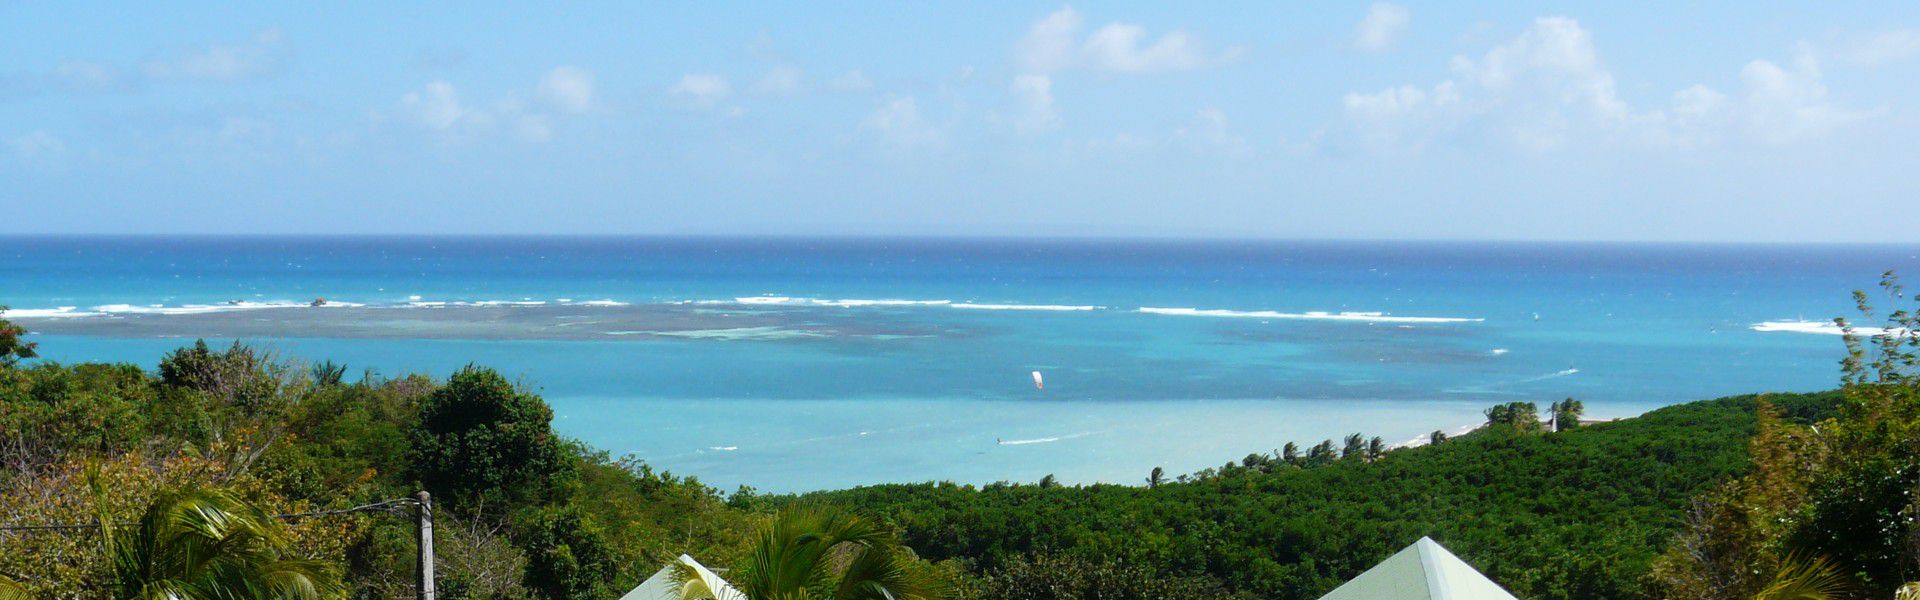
(1880, 47)
(898, 122)
(1382, 25)
(1209, 132)
(251, 58)
(701, 90)
(1786, 104)
(780, 81)
(36, 145)
(1035, 94)
(88, 76)
(1548, 88)
(568, 88)
(852, 81)
(437, 106)
(1054, 44)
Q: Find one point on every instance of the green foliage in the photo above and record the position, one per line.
(483, 442)
(1842, 495)
(1566, 414)
(327, 373)
(1522, 507)
(1066, 576)
(12, 348)
(219, 417)
(568, 556)
(820, 552)
(1801, 578)
(209, 544)
(238, 376)
(12, 590)
(1521, 416)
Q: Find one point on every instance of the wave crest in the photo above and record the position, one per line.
(1368, 317)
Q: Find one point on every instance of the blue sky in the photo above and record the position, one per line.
(1576, 121)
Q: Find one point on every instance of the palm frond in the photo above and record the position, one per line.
(692, 586)
(1806, 578)
(806, 550)
(12, 590)
(207, 544)
(881, 573)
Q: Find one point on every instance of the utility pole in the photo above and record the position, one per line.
(426, 544)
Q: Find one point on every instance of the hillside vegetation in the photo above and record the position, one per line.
(1575, 514)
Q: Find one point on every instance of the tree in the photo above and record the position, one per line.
(483, 441)
(1521, 416)
(1436, 437)
(1155, 477)
(1291, 454)
(1842, 495)
(12, 349)
(815, 552)
(1376, 448)
(1049, 481)
(1320, 454)
(1054, 576)
(1356, 447)
(568, 557)
(327, 373)
(238, 376)
(1566, 414)
(207, 544)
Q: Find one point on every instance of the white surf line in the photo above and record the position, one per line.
(1055, 307)
(1823, 327)
(1044, 440)
(1369, 317)
(1494, 388)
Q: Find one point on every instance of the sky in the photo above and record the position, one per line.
(1702, 121)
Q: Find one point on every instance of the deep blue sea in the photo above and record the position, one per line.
(796, 364)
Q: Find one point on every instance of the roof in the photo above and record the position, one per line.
(1422, 571)
(661, 585)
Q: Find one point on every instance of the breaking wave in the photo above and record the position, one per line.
(1822, 327)
(1369, 317)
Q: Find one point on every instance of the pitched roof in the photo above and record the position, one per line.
(1422, 571)
(661, 585)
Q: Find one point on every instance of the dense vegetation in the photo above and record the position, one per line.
(1745, 497)
(522, 512)
(1578, 514)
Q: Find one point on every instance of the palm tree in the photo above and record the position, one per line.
(207, 544)
(813, 552)
(1356, 447)
(1805, 578)
(1156, 476)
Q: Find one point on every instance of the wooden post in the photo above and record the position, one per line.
(426, 544)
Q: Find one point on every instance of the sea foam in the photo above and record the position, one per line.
(1061, 307)
(1823, 327)
(1369, 317)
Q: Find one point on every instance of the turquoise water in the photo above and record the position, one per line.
(793, 364)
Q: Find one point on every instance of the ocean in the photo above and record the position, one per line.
(793, 364)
